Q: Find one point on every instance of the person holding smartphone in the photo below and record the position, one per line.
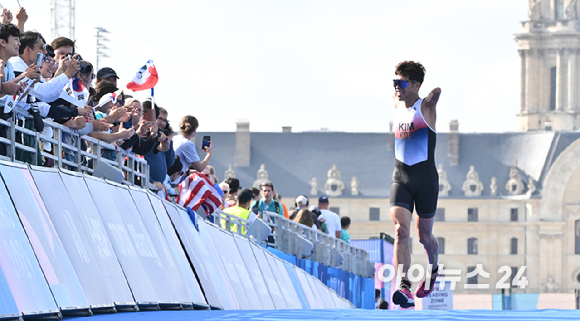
(185, 147)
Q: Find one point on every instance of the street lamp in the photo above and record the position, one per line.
(100, 44)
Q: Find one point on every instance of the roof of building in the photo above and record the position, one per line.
(293, 159)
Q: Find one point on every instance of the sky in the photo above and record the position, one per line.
(309, 64)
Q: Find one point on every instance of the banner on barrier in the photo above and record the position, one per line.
(303, 281)
(189, 282)
(203, 268)
(66, 220)
(255, 275)
(57, 268)
(23, 287)
(284, 281)
(300, 292)
(269, 278)
(125, 249)
(150, 258)
(211, 254)
(98, 238)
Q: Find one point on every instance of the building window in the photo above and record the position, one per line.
(335, 210)
(375, 214)
(577, 237)
(441, 242)
(472, 214)
(559, 9)
(472, 245)
(473, 279)
(553, 88)
(440, 214)
(514, 246)
(514, 215)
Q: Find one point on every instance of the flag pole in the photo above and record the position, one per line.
(153, 98)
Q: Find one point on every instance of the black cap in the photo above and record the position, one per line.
(245, 195)
(323, 199)
(106, 73)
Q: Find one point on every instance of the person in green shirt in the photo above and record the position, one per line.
(344, 224)
(241, 210)
(267, 203)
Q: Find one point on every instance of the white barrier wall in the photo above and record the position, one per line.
(24, 288)
(262, 292)
(78, 243)
(188, 277)
(68, 224)
(235, 268)
(191, 242)
(86, 212)
(58, 270)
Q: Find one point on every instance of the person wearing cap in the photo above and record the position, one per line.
(332, 219)
(241, 210)
(107, 74)
(300, 203)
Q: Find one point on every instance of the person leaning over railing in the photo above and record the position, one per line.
(9, 44)
(162, 155)
(241, 210)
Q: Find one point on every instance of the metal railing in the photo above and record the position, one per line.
(285, 234)
(71, 155)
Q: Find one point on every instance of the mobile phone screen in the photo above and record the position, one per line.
(39, 59)
(205, 143)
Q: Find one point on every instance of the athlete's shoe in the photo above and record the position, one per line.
(421, 292)
(404, 298)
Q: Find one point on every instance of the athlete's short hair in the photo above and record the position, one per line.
(413, 70)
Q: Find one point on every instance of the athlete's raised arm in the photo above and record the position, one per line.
(433, 97)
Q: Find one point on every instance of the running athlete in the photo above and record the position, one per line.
(415, 182)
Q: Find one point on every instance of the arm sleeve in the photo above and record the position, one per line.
(189, 153)
(61, 111)
(170, 155)
(50, 91)
(86, 130)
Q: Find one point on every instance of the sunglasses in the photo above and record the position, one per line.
(402, 83)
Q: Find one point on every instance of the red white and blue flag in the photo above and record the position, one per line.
(197, 190)
(75, 92)
(146, 78)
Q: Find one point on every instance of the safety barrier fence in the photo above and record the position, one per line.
(74, 244)
(301, 241)
(68, 152)
(344, 268)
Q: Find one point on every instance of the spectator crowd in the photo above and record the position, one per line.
(48, 80)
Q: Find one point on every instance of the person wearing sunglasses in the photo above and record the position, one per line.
(415, 182)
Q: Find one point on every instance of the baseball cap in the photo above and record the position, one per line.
(301, 200)
(106, 72)
(323, 199)
(245, 195)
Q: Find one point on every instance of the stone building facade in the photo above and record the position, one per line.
(549, 47)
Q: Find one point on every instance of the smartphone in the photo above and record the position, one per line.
(205, 143)
(149, 115)
(39, 59)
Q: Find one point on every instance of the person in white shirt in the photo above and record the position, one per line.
(332, 219)
(185, 148)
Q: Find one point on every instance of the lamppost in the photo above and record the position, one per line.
(100, 45)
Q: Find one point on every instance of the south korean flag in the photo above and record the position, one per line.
(75, 93)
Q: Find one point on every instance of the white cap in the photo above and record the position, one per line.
(302, 200)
